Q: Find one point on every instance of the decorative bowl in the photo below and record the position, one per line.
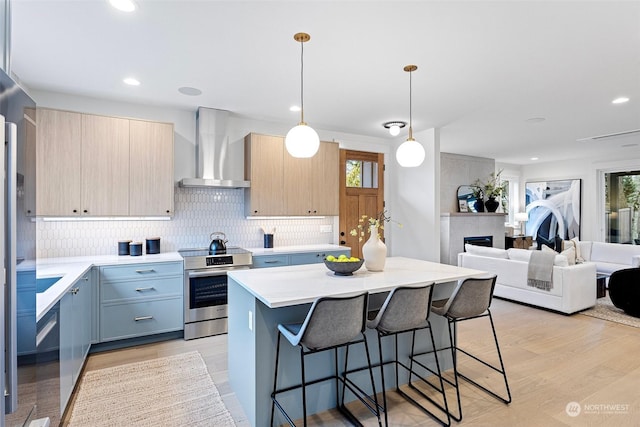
(343, 268)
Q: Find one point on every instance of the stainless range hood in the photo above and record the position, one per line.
(216, 165)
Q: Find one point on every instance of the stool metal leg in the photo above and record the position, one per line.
(275, 380)
(304, 388)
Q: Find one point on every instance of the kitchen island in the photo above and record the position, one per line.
(260, 299)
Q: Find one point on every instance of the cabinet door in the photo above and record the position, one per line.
(297, 185)
(105, 166)
(151, 174)
(263, 167)
(66, 349)
(58, 159)
(82, 306)
(29, 164)
(325, 179)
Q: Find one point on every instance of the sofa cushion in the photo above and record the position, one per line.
(609, 267)
(614, 253)
(486, 251)
(519, 254)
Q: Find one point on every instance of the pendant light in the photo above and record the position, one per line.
(410, 153)
(302, 141)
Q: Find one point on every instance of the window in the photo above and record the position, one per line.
(622, 206)
(362, 174)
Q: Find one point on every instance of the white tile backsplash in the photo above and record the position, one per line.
(198, 213)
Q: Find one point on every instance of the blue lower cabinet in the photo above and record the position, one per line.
(137, 300)
(298, 258)
(75, 334)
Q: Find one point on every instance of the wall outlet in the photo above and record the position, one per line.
(250, 320)
(326, 228)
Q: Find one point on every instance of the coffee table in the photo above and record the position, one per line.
(601, 285)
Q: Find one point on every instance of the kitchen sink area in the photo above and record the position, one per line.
(42, 284)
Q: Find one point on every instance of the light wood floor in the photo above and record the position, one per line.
(551, 360)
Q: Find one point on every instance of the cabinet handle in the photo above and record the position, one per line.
(85, 278)
(151, 270)
(145, 289)
(271, 262)
(75, 211)
(342, 242)
(74, 291)
(168, 211)
(139, 318)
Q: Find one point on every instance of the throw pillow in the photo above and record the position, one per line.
(576, 243)
(560, 260)
(486, 251)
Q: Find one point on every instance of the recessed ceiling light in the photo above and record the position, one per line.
(294, 108)
(535, 120)
(534, 158)
(190, 91)
(620, 100)
(131, 81)
(123, 5)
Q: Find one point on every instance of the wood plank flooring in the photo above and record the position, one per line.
(551, 361)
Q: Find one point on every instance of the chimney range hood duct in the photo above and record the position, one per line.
(214, 153)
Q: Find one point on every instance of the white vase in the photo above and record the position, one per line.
(374, 251)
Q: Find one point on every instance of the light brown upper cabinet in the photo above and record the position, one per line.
(95, 165)
(151, 175)
(105, 166)
(284, 185)
(311, 185)
(59, 162)
(263, 167)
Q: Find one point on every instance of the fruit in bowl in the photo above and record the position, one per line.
(343, 265)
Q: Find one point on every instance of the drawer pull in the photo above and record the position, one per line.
(272, 262)
(137, 319)
(150, 288)
(151, 270)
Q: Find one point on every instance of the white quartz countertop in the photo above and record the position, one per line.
(302, 284)
(70, 269)
(283, 250)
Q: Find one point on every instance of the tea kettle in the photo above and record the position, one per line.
(217, 245)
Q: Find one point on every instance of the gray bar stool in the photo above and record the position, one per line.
(470, 300)
(407, 309)
(331, 323)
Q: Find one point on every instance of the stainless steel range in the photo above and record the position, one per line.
(205, 288)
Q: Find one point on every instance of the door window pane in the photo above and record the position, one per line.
(362, 174)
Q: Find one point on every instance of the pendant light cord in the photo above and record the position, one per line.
(301, 82)
(410, 106)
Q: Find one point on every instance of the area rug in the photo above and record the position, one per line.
(605, 310)
(169, 391)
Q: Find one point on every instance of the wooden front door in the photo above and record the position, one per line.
(361, 193)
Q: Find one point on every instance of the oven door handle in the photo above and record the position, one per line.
(206, 273)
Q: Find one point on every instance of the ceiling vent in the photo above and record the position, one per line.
(610, 135)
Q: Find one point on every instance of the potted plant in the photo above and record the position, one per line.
(493, 188)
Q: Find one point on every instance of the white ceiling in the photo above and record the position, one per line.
(484, 68)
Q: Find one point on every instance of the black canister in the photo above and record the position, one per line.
(152, 245)
(135, 248)
(123, 247)
(268, 240)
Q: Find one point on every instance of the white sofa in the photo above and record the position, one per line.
(574, 286)
(610, 257)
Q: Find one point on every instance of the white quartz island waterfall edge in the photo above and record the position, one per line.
(259, 299)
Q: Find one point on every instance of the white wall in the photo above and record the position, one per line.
(415, 202)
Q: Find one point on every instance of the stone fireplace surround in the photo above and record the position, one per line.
(454, 227)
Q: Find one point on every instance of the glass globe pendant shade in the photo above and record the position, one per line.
(302, 141)
(410, 154)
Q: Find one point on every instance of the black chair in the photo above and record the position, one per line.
(332, 322)
(470, 300)
(624, 290)
(407, 309)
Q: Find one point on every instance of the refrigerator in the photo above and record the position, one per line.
(18, 358)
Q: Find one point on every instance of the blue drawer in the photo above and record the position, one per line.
(140, 271)
(314, 257)
(159, 287)
(270, 261)
(118, 321)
